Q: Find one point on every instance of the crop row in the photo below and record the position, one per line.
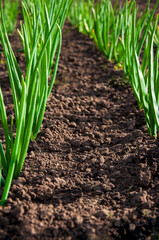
(131, 39)
(41, 39)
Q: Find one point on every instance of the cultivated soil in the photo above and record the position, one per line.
(93, 171)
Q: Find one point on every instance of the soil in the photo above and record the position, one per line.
(93, 171)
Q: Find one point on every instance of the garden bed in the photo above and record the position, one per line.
(93, 171)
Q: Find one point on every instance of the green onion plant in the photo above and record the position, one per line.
(41, 38)
(81, 14)
(143, 71)
(10, 14)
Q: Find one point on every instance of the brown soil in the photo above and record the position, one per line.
(93, 172)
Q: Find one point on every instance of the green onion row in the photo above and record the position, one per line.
(41, 37)
(129, 38)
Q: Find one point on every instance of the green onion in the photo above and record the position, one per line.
(41, 38)
(10, 14)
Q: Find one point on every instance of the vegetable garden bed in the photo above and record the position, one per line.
(93, 171)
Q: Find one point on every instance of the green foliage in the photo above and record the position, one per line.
(41, 38)
(10, 14)
(129, 38)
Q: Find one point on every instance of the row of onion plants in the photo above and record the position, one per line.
(130, 38)
(41, 39)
